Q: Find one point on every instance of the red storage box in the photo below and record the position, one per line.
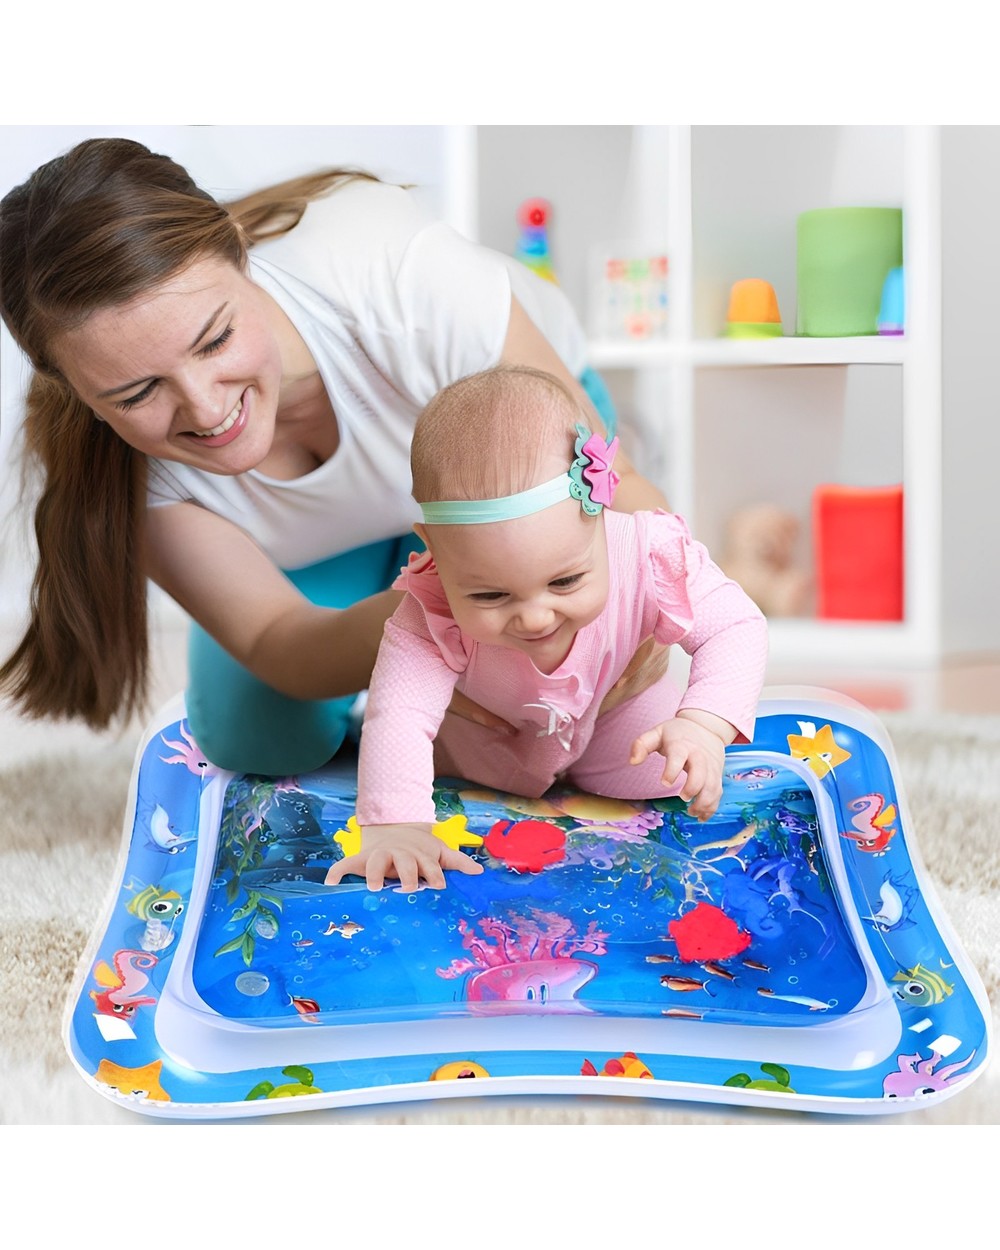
(858, 544)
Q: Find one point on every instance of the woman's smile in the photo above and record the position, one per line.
(230, 429)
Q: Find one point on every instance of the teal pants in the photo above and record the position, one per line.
(240, 723)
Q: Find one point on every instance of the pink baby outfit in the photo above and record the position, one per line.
(662, 584)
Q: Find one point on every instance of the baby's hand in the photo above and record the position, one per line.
(695, 743)
(408, 852)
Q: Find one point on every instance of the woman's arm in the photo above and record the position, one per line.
(222, 579)
(526, 345)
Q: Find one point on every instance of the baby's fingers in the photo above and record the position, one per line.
(694, 782)
(676, 758)
(461, 862)
(644, 746)
(702, 792)
(343, 868)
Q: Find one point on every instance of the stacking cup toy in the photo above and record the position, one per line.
(753, 310)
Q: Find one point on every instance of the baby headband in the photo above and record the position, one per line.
(591, 479)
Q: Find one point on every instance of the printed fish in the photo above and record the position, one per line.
(683, 984)
(156, 906)
(922, 987)
(628, 1064)
(154, 903)
(308, 1008)
(754, 776)
(347, 929)
(800, 1000)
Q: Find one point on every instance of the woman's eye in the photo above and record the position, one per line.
(124, 405)
(217, 344)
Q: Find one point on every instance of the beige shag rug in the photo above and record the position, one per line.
(60, 832)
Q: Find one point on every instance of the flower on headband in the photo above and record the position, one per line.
(593, 480)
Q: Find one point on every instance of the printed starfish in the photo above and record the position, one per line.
(817, 749)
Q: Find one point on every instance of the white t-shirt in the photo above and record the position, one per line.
(393, 306)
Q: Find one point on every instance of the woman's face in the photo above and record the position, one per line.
(191, 371)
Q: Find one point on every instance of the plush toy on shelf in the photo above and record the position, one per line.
(759, 553)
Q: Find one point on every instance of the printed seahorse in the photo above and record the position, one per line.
(873, 825)
(123, 983)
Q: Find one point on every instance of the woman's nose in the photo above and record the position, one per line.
(203, 401)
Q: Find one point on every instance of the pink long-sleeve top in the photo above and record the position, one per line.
(662, 584)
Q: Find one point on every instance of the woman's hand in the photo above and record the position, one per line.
(694, 743)
(461, 705)
(644, 669)
(408, 852)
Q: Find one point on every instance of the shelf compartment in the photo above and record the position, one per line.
(733, 353)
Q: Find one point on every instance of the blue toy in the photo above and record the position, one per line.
(788, 953)
(891, 313)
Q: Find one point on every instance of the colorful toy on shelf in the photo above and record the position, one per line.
(533, 247)
(628, 297)
(843, 257)
(858, 540)
(784, 954)
(753, 310)
(891, 313)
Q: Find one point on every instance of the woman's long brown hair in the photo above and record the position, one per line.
(93, 229)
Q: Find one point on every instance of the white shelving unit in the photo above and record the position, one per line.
(722, 423)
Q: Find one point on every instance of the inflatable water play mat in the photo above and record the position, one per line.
(787, 953)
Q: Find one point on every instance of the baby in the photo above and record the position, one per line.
(532, 598)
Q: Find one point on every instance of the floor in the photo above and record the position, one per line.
(970, 686)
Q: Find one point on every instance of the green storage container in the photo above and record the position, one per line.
(843, 258)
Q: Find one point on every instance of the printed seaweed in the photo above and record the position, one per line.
(244, 837)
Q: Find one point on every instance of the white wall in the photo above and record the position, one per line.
(970, 193)
(227, 161)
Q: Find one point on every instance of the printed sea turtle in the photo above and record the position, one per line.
(301, 1083)
(778, 1084)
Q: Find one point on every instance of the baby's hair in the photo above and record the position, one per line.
(493, 434)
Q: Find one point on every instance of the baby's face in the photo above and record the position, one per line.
(530, 584)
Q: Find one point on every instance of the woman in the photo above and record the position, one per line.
(236, 425)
